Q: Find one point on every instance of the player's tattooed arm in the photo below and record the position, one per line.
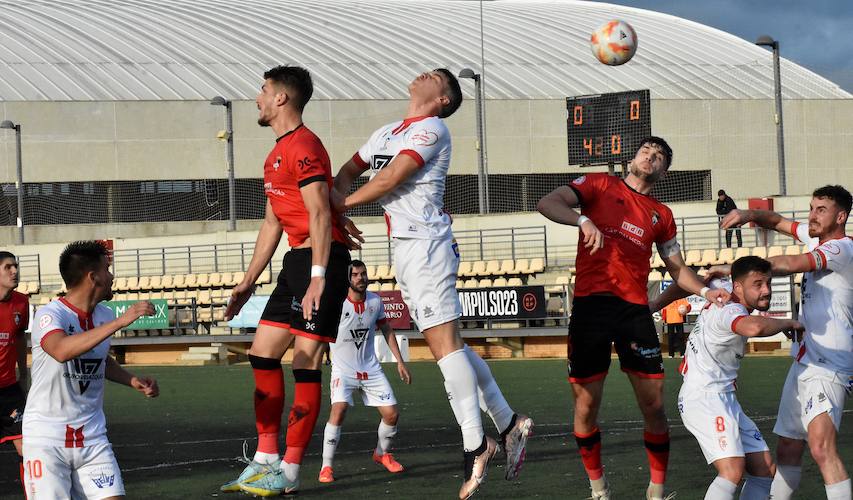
(115, 373)
(63, 347)
(763, 218)
(784, 265)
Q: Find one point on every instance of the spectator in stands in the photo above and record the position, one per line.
(726, 204)
(674, 316)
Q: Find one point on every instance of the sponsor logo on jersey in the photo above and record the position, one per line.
(809, 405)
(723, 443)
(380, 161)
(16, 416)
(358, 336)
(633, 229)
(310, 325)
(269, 189)
(425, 138)
(645, 352)
(756, 435)
(45, 320)
(85, 371)
(655, 217)
(17, 317)
(580, 180)
(277, 163)
(103, 478)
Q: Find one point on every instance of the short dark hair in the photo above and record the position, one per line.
(721, 192)
(7, 255)
(836, 193)
(454, 93)
(79, 258)
(657, 141)
(357, 263)
(296, 79)
(748, 264)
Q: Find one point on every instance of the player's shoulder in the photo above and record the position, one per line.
(19, 298)
(429, 131)
(734, 308)
(372, 297)
(101, 310)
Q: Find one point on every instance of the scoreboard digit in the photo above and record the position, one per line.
(607, 128)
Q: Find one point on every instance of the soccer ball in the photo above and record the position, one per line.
(614, 43)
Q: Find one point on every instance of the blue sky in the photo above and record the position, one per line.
(817, 34)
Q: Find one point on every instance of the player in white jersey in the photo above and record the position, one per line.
(707, 402)
(821, 377)
(356, 369)
(408, 162)
(66, 451)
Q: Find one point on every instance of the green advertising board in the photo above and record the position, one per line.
(159, 320)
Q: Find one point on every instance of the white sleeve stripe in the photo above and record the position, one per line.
(669, 248)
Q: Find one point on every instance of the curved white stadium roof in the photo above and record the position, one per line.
(104, 50)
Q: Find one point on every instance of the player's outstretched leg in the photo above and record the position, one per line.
(386, 433)
(300, 424)
(514, 428)
(269, 405)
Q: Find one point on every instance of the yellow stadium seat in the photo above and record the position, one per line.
(265, 277)
(479, 268)
(386, 287)
(190, 280)
(396, 286)
(657, 261)
(775, 251)
(507, 267)
(522, 266)
(382, 271)
(464, 269)
(514, 282)
(167, 282)
(33, 287)
(655, 276)
(202, 280)
(709, 257)
(237, 278)
(144, 283)
(392, 272)
(471, 283)
(741, 252)
(203, 297)
(537, 265)
(373, 287)
(485, 283)
(726, 256)
(371, 272)
(499, 282)
(215, 280)
(793, 250)
(133, 283)
(692, 258)
(227, 279)
(493, 267)
(760, 252)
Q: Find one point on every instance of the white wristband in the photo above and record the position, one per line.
(582, 219)
(703, 291)
(318, 272)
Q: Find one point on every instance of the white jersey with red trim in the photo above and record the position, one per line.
(353, 350)
(826, 304)
(65, 405)
(414, 208)
(714, 350)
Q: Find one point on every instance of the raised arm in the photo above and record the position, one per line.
(688, 281)
(559, 206)
(763, 218)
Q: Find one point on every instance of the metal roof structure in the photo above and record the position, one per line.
(103, 50)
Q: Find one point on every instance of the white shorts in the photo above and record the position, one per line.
(54, 473)
(426, 272)
(808, 392)
(374, 387)
(718, 422)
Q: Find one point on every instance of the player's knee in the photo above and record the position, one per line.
(392, 417)
(822, 450)
(789, 451)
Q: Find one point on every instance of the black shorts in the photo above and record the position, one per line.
(284, 309)
(12, 402)
(601, 320)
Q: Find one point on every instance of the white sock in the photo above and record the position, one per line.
(265, 458)
(491, 399)
(331, 438)
(785, 482)
(460, 381)
(839, 490)
(386, 435)
(756, 488)
(291, 471)
(721, 489)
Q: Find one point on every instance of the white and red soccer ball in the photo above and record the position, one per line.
(614, 43)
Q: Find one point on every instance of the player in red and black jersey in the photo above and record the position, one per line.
(14, 319)
(305, 306)
(620, 223)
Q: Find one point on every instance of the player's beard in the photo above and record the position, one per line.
(763, 303)
(358, 288)
(263, 122)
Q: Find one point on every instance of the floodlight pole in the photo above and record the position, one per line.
(20, 171)
(767, 41)
(481, 160)
(229, 141)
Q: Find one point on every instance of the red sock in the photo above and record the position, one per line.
(303, 414)
(657, 450)
(269, 401)
(589, 446)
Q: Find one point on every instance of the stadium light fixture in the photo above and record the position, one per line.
(768, 41)
(8, 124)
(482, 181)
(229, 139)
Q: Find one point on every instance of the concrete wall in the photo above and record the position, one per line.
(176, 139)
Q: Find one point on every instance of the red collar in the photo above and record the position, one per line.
(407, 122)
(79, 312)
